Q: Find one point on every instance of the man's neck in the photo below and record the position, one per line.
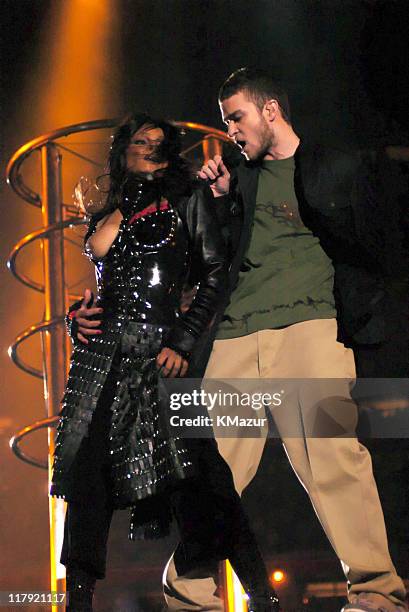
(285, 144)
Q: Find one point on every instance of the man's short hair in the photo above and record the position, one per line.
(259, 87)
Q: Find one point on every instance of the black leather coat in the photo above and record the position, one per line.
(140, 281)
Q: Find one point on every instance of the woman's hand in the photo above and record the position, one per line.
(171, 364)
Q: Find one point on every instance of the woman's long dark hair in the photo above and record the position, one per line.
(175, 181)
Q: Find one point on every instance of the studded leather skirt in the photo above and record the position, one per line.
(143, 462)
(145, 458)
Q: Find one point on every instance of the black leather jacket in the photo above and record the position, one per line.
(341, 203)
(140, 281)
(156, 250)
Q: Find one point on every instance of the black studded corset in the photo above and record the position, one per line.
(141, 277)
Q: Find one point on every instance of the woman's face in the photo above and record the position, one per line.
(142, 151)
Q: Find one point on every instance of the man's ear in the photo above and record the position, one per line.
(271, 109)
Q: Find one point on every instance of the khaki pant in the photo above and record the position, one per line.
(335, 471)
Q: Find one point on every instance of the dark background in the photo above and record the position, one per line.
(345, 66)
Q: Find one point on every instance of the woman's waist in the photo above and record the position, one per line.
(121, 336)
(142, 339)
(121, 315)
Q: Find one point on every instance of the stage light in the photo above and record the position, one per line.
(278, 576)
(79, 78)
(236, 598)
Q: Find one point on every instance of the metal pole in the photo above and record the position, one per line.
(54, 341)
(212, 145)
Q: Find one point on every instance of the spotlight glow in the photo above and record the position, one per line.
(278, 576)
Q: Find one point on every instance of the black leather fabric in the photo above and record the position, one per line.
(159, 245)
(143, 274)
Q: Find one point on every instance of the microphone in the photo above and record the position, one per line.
(208, 181)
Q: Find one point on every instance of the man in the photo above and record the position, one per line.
(304, 229)
(302, 225)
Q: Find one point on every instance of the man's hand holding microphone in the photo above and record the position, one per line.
(217, 175)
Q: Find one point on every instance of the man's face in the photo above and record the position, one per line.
(246, 125)
(142, 149)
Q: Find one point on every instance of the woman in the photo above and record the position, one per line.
(114, 448)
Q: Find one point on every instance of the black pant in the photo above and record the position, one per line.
(211, 521)
(207, 508)
(89, 513)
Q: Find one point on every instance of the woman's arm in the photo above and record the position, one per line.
(99, 243)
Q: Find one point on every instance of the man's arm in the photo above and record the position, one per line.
(218, 178)
(344, 211)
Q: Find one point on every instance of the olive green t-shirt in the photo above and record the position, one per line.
(285, 277)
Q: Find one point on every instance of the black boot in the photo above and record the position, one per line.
(80, 590)
(267, 603)
(247, 562)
